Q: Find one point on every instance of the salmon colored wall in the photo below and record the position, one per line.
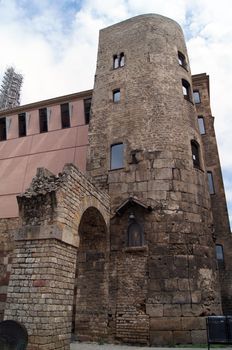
(20, 157)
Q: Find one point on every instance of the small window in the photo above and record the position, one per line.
(65, 118)
(220, 256)
(210, 182)
(121, 59)
(2, 129)
(196, 96)
(182, 60)
(195, 154)
(87, 107)
(115, 61)
(116, 95)
(22, 124)
(219, 252)
(43, 120)
(135, 235)
(118, 60)
(186, 90)
(116, 160)
(201, 125)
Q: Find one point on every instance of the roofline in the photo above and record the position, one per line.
(202, 76)
(45, 103)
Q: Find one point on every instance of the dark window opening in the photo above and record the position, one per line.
(135, 235)
(220, 256)
(182, 60)
(118, 60)
(115, 61)
(196, 96)
(186, 90)
(116, 95)
(22, 124)
(87, 108)
(121, 59)
(116, 159)
(43, 120)
(2, 129)
(210, 182)
(65, 117)
(201, 125)
(195, 154)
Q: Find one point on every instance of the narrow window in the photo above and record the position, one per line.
(135, 235)
(115, 61)
(87, 107)
(65, 118)
(43, 120)
(186, 90)
(201, 125)
(210, 182)
(182, 60)
(22, 124)
(116, 95)
(121, 59)
(195, 154)
(196, 96)
(116, 160)
(220, 256)
(2, 129)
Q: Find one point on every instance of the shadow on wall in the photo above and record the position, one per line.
(13, 336)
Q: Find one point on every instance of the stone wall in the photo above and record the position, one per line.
(222, 232)
(40, 292)
(7, 229)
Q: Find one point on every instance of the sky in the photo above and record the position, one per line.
(53, 43)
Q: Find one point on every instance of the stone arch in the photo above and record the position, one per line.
(91, 287)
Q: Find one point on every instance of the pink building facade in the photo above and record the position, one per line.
(53, 132)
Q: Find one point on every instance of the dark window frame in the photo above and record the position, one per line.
(199, 96)
(65, 116)
(87, 109)
(3, 135)
(220, 261)
(201, 127)
(186, 89)
(43, 120)
(195, 149)
(22, 124)
(210, 182)
(118, 60)
(182, 60)
(116, 95)
(113, 160)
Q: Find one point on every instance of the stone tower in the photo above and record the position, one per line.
(146, 151)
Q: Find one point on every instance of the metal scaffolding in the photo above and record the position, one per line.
(10, 89)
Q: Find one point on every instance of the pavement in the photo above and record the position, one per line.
(96, 346)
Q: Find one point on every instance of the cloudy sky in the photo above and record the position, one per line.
(53, 43)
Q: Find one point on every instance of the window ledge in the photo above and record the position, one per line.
(142, 248)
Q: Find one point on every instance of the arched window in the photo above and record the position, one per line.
(121, 59)
(195, 154)
(135, 235)
(115, 61)
(186, 90)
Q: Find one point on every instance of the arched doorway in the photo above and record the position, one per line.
(91, 291)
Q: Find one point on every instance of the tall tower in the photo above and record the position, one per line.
(146, 151)
(10, 89)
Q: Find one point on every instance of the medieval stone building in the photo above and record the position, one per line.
(135, 248)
